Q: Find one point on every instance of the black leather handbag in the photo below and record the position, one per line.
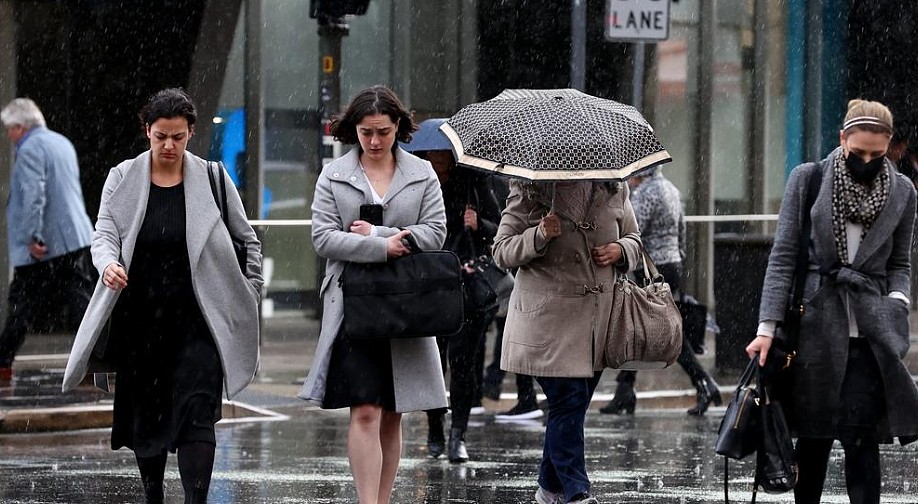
(740, 429)
(214, 171)
(775, 468)
(414, 296)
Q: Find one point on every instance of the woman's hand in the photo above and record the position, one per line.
(362, 227)
(550, 225)
(760, 345)
(470, 218)
(114, 277)
(394, 245)
(608, 254)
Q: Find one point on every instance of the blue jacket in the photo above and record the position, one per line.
(46, 200)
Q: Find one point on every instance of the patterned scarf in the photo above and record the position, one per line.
(856, 203)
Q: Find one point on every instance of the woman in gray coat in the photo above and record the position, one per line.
(849, 380)
(182, 314)
(377, 379)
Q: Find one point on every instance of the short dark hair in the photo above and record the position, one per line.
(371, 101)
(166, 104)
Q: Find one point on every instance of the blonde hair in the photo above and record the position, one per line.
(870, 116)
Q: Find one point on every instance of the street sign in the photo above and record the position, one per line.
(637, 20)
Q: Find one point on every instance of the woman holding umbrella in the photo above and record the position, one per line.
(569, 237)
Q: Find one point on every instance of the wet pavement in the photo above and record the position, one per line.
(273, 448)
(656, 456)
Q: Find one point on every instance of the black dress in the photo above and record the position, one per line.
(169, 377)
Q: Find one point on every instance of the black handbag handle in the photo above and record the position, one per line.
(752, 371)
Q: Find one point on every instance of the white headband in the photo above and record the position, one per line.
(860, 120)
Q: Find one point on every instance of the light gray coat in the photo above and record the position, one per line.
(880, 267)
(413, 202)
(227, 298)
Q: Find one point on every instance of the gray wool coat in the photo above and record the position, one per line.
(561, 304)
(413, 202)
(880, 267)
(227, 298)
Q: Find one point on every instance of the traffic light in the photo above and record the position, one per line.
(337, 8)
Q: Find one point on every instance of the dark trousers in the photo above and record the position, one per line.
(494, 375)
(862, 406)
(466, 359)
(43, 288)
(563, 468)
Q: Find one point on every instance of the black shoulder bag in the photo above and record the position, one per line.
(788, 331)
(413, 296)
(214, 170)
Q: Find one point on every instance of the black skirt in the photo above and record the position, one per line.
(360, 372)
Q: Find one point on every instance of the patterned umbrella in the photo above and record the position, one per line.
(554, 135)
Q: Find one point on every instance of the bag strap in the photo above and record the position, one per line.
(803, 246)
(213, 171)
(651, 273)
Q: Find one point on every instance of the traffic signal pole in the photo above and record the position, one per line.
(331, 31)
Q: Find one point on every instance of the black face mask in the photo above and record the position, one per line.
(863, 172)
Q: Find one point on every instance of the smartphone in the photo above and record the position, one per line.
(371, 214)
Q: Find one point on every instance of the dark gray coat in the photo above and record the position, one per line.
(880, 267)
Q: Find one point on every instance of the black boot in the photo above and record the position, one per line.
(707, 393)
(457, 452)
(436, 443)
(153, 492)
(623, 402)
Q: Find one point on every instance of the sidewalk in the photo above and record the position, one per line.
(34, 402)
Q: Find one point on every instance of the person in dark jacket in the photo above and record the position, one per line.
(849, 379)
(472, 214)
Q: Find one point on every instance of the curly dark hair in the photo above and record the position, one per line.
(371, 101)
(166, 104)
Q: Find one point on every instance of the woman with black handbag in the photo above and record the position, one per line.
(378, 379)
(848, 380)
(472, 214)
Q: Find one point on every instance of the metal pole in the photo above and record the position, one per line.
(703, 278)
(578, 44)
(637, 76)
(254, 110)
(331, 31)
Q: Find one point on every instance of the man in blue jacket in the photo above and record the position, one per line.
(48, 230)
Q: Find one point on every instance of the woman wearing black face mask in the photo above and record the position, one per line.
(849, 380)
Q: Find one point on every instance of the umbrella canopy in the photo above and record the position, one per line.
(554, 135)
(428, 137)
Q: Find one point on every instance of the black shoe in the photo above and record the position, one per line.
(708, 393)
(623, 402)
(436, 443)
(457, 452)
(520, 412)
(153, 492)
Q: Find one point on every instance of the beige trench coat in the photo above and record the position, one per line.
(562, 301)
